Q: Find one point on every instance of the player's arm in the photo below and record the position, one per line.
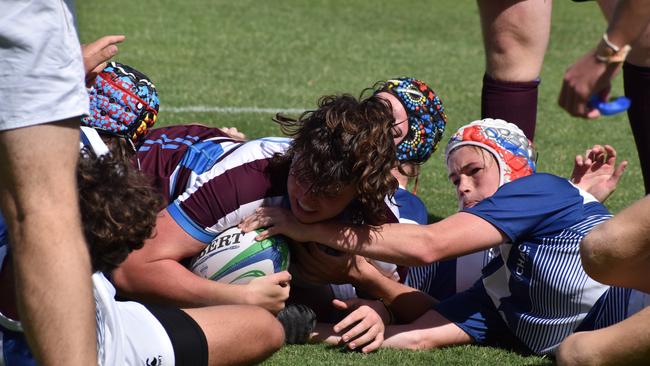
(617, 252)
(403, 244)
(154, 273)
(624, 343)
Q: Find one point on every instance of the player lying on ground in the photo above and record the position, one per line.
(119, 211)
(339, 160)
(596, 170)
(534, 293)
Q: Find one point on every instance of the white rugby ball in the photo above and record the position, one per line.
(237, 258)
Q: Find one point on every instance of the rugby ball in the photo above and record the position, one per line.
(237, 258)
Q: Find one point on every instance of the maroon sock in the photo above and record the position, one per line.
(636, 81)
(512, 101)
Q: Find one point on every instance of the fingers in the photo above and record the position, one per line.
(365, 330)
(280, 278)
(618, 173)
(339, 304)
(374, 345)
(349, 320)
(373, 334)
(95, 54)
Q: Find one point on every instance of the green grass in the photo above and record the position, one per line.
(285, 54)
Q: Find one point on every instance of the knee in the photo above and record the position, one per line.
(595, 257)
(270, 327)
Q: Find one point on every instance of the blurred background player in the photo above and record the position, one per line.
(627, 31)
(43, 94)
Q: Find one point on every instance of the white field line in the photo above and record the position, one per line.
(216, 109)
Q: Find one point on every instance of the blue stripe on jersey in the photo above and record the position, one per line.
(188, 224)
(167, 143)
(610, 309)
(551, 289)
(436, 279)
(201, 156)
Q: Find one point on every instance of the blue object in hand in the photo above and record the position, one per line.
(618, 105)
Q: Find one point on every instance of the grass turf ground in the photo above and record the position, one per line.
(209, 58)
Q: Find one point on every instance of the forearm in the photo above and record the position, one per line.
(624, 343)
(386, 243)
(168, 282)
(630, 19)
(406, 303)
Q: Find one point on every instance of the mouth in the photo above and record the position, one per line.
(469, 204)
(305, 207)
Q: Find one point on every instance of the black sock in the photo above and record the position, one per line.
(636, 80)
(514, 102)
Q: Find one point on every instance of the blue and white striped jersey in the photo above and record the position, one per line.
(538, 284)
(444, 278)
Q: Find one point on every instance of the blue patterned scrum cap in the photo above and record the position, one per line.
(123, 102)
(426, 118)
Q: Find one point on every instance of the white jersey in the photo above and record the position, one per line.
(127, 333)
(42, 73)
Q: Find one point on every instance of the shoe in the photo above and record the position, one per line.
(298, 322)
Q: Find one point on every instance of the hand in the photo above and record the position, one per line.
(364, 325)
(234, 133)
(584, 78)
(596, 172)
(96, 54)
(269, 292)
(278, 221)
(314, 265)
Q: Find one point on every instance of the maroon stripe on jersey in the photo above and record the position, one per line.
(230, 190)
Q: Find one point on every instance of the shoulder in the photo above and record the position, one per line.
(410, 207)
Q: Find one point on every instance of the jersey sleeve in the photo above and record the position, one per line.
(536, 205)
(222, 196)
(411, 208)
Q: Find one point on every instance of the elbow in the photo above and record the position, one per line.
(574, 351)
(598, 257)
(424, 257)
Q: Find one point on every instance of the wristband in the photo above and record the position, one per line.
(609, 53)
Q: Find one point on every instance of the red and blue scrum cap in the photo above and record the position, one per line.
(513, 151)
(426, 118)
(123, 102)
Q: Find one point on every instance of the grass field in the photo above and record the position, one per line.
(231, 63)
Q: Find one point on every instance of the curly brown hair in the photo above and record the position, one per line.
(118, 207)
(345, 141)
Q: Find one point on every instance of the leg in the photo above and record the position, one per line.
(38, 196)
(636, 81)
(515, 36)
(431, 330)
(624, 343)
(238, 334)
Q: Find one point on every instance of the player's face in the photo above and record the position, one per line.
(475, 174)
(401, 126)
(309, 207)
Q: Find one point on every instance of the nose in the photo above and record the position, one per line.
(464, 186)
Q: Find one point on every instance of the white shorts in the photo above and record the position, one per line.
(42, 73)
